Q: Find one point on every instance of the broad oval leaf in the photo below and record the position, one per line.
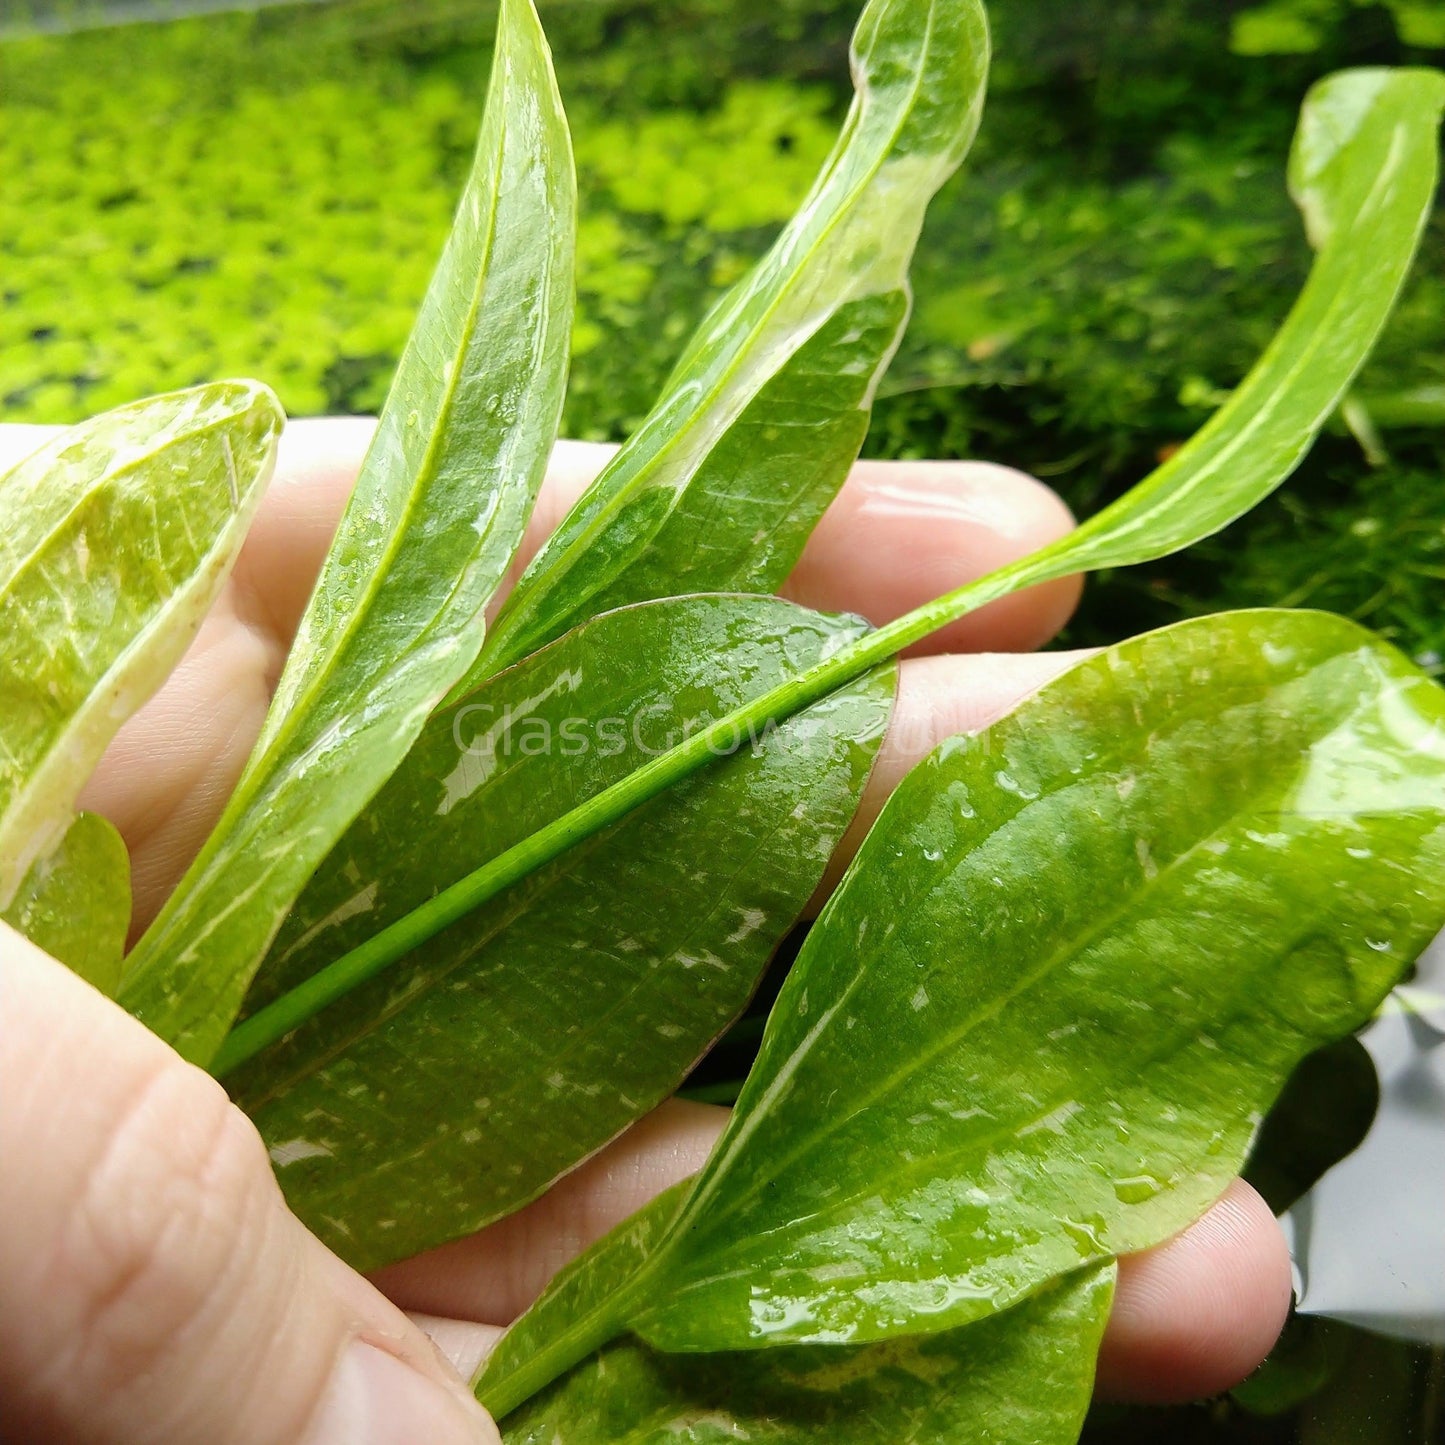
(117, 536)
(438, 510)
(756, 428)
(1024, 1378)
(1073, 964)
(75, 901)
(551, 1018)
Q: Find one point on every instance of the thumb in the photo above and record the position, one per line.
(156, 1287)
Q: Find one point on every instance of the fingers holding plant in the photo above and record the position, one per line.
(895, 530)
(156, 1286)
(959, 517)
(480, 897)
(1190, 1318)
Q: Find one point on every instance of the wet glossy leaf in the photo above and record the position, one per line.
(1072, 966)
(117, 536)
(397, 615)
(765, 412)
(1363, 172)
(548, 1020)
(575, 1315)
(1076, 959)
(75, 902)
(1024, 1378)
(1366, 141)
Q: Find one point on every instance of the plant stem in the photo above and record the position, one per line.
(720, 739)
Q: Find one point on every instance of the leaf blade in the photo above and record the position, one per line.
(1363, 171)
(1022, 1379)
(1067, 1122)
(75, 902)
(119, 533)
(795, 352)
(1114, 536)
(568, 1007)
(439, 507)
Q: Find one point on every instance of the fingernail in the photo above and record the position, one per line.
(376, 1399)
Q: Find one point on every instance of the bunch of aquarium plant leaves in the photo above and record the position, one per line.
(1069, 971)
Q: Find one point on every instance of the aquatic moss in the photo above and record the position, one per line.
(231, 210)
(266, 193)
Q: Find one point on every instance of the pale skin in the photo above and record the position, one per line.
(157, 1288)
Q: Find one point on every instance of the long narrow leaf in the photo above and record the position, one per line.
(398, 613)
(758, 425)
(1363, 172)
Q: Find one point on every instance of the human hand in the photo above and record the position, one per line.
(157, 1287)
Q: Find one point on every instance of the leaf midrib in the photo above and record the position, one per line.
(524, 903)
(951, 1040)
(426, 474)
(260, 774)
(582, 542)
(1342, 244)
(106, 482)
(983, 1144)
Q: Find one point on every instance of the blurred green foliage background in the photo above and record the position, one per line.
(264, 194)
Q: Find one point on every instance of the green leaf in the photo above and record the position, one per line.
(1423, 406)
(575, 1315)
(1364, 171)
(1040, 1020)
(759, 423)
(1294, 27)
(1421, 23)
(547, 1021)
(438, 510)
(75, 902)
(1071, 968)
(118, 534)
(1025, 1377)
(1022, 1379)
